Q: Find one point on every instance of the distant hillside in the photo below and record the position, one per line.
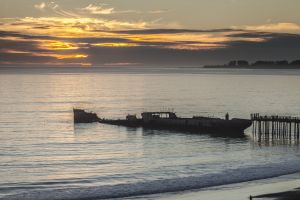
(283, 64)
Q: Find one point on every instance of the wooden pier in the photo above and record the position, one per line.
(276, 126)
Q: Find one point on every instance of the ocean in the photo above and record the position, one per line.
(43, 155)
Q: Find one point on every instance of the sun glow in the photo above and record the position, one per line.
(60, 56)
(68, 27)
(115, 44)
(68, 39)
(47, 63)
(213, 38)
(58, 45)
(71, 56)
(195, 46)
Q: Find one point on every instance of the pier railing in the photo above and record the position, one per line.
(276, 126)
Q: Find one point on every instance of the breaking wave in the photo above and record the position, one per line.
(162, 186)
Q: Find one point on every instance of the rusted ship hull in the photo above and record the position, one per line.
(195, 124)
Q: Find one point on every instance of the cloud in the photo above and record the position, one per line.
(94, 41)
(102, 10)
(20, 49)
(275, 27)
(157, 11)
(93, 9)
(55, 8)
(68, 26)
(173, 31)
(43, 6)
(40, 6)
(279, 47)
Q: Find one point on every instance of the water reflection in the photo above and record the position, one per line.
(220, 135)
(40, 144)
(267, 141)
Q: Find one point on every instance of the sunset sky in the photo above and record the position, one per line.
(147, 33)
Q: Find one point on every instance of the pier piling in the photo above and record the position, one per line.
(275, 126)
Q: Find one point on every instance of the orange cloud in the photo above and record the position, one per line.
(68, 26)
(70, 56)
(63, 39)
(57, 45)
(12, 51)
(115, 44)
(195, 46)
(60, 56)
(47, 63)
(275, 27)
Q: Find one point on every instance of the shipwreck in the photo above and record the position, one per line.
(170, 121)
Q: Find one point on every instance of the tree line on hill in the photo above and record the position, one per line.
(260, 63)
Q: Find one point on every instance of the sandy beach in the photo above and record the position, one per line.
(288, 195)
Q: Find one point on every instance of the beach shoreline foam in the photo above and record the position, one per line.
(228, 177)
(281, 188)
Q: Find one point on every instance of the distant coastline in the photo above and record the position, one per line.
(243, 64)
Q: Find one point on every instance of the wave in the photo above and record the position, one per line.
(225, 177)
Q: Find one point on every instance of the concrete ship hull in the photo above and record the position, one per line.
(172, 122)
(215, 126)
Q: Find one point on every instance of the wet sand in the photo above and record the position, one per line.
(288, 195)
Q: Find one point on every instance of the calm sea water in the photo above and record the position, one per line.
(44, 156)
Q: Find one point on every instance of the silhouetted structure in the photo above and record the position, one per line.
(281, 64)
(296, 62)
(169, 120)
(242, 63)
(227, 116)
(232, 63)
(235, 63)
(81, 116)
(276, 126)
(257, 63)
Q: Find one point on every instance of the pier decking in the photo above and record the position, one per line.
(276, 126)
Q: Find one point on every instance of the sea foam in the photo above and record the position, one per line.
(231, 176)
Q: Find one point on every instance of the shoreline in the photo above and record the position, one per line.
(281, 188)
(288, 195)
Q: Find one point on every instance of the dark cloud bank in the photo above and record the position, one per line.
(276, 46)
